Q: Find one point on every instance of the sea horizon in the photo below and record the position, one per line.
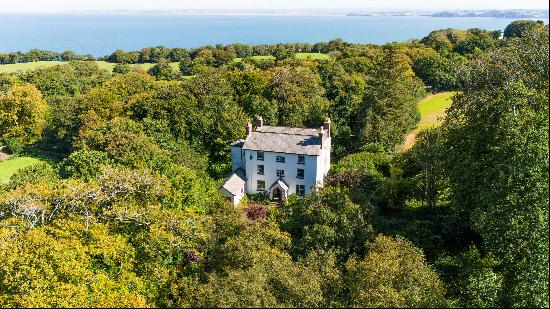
(101, 34)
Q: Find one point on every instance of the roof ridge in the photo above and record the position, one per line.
(293, 130)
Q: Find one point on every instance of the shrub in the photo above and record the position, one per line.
(84, 164)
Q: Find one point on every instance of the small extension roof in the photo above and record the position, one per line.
(234, 183)
(281, 183)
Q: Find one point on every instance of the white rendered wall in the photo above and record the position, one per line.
(235, 199)
(290, 167)
(323, 164)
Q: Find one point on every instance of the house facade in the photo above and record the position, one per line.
(279, 161)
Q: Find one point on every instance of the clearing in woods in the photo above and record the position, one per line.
(21, 67)
(12, 165)
(432, 111)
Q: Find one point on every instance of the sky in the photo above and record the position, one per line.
(7, 6)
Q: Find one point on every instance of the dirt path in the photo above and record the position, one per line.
(409, 141)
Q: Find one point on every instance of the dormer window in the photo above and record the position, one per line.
(280, 159)
(260, 155)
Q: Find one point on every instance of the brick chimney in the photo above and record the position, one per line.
(248, 128)
(322, 136)
(259, 122)
(327, 126)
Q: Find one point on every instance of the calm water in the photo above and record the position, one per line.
(101, 34)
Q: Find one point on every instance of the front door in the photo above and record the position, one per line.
(277, 194)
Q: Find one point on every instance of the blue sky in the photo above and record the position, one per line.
(77, 5)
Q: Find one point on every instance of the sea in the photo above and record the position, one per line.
(101, 34)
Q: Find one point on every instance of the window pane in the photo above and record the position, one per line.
(261, 185)
(280, 173)
(300, 173)
(300, 190)
(260, 169)
(301, 160)
(260, 155)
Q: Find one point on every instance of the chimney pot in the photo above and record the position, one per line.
(259, 122)
(248, 129)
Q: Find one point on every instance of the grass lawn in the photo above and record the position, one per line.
(10, 166)
(312, 56)
(268, 57)
(432, 111)
(301, 56)
(20, 67)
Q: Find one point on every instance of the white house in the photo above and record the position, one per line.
(279, 161)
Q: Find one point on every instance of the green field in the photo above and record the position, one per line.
(268, 57)
(312, 56)
(432, 111)
(13, 68)
(10, 166)
(20, 67)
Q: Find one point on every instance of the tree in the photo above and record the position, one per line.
(393, 274)
(473, 280)
(186, 65)
(222, 57)
(176, 54)
(123, 57)
(327, 221)
(497, 134)
(121, 68)
(84, 164)
(476, 40)
(162, 70)
(36, 173)
(216, 120)
(67, 265)
(425, 166)
(519, 28)
(444, 40)
(437, 71)
(389, 110)
(346, 92)
(122, 140)
(299, 96)
(250, 89)
(363, 173)
(22, 114)
(250, 268)
(73, 78)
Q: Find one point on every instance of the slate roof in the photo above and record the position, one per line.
(234, 183)
(284, 140)
(288, 130)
